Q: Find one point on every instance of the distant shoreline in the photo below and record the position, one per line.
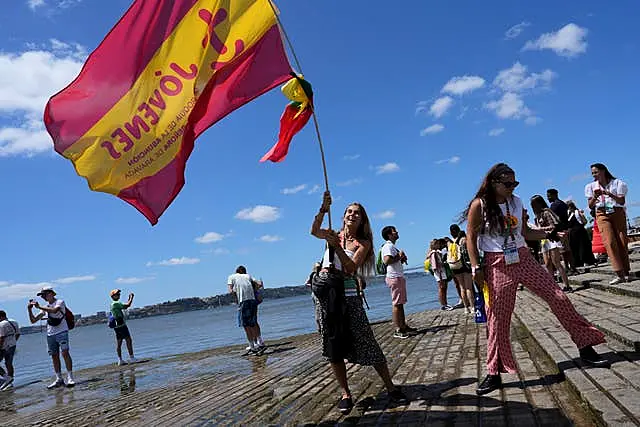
(177, 306)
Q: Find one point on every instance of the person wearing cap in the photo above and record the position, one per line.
(121, 329)
(57, 333)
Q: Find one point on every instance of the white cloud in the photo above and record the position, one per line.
(451, 160)
(432, 129)
(421, 107)
(462, 85)
(348, 183)
(61, 4)
(516, 79)
(516, 30)
(389, 167)
(15, 291)
(260, 214)
(388, 214)
(532, 120)
(294, 190)
(221, 251)
(175, 261)
(27, 80)
(34, 4)
(441, 106)
(496, 132)
(510, 106)
(351, 157)
(270, 238)
(314, 189)
(74, 279)
(209, 237)
(132, 280)
(568, 41)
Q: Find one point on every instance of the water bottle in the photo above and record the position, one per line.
(481, 314)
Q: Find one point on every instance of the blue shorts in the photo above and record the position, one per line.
(7, 355)
(248, 313)
(58, 342)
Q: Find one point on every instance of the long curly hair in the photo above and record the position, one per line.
(486, 192)
(363, 233)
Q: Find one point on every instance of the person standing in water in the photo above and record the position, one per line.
(121, 329)
(495, 225)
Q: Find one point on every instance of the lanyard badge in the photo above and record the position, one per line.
(510, 248)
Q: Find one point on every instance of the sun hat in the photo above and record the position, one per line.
(46, 289)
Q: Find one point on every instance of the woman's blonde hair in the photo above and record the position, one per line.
(363, 233)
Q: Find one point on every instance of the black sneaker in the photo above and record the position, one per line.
(397, 396)
(590, 357)
(567, 289)
(490, 383)
(400, 334)
(345, 405)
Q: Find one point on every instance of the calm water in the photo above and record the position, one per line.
(198, 330)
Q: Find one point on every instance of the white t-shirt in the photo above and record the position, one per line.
(8, 330)
(394, 269)
(494, 241)
(62, 327)
(616, 187)
(241, 285)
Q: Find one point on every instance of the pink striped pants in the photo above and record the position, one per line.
(503, 282)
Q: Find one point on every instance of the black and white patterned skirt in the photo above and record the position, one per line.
(365, 349)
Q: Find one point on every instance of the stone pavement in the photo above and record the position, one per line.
(292, 385)
(438, 369)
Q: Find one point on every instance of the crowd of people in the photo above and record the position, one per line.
(60, 320)
(501, 249)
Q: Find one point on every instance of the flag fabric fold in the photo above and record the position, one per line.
(295, 116)
(165, 73)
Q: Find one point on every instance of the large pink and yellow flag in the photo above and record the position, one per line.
(166, 72)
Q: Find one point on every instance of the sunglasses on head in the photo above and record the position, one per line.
(509, 184)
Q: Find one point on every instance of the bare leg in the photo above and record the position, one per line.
(10, 369)
(557, 262)
(383, 371)
(340, 371)
(397, 315)
(129, 346)
(119, 348)
(68, 363)
(442, 292)
(55, 358)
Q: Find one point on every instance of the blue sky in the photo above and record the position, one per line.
(415, 104)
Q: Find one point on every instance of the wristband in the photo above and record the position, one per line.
(475, 268)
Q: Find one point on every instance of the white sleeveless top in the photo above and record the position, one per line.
(336, 260)
(494, 241)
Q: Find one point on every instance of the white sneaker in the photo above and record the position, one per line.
(70, 382)
(57, 383)
(616, 281)
(121, 362)
(133, 360)
(248, 348)
(6, 384)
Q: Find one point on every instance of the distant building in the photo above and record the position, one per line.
(101, 315)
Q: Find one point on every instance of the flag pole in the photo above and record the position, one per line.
(313, 111)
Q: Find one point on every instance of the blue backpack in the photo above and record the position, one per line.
(112, 321)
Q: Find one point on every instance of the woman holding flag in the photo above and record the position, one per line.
(343, 322)
(495, 225)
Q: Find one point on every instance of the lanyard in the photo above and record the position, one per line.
(509, 229)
